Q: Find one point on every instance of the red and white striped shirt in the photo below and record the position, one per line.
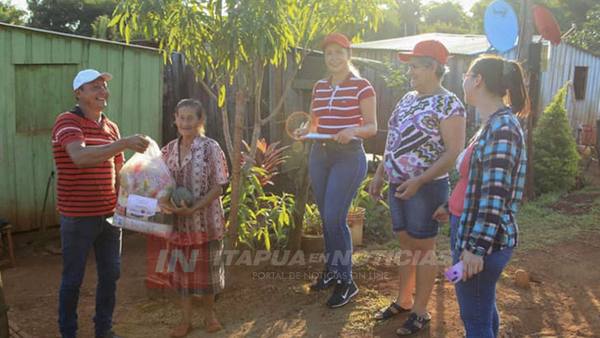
(338, 107)
(84, 191)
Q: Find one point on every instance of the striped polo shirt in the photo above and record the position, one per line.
(338, 107)
(84, 191)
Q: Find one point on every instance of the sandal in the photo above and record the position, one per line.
(390, 311)
(413, 324)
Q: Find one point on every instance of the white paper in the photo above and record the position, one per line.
(317, 136)
(141, 206)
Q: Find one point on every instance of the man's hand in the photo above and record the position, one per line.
(138, 143)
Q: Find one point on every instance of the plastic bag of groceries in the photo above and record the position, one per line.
(144, 180)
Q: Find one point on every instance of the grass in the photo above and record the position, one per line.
(541, 225)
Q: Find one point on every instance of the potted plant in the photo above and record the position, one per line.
(356, 214)
(361, 206)
(312, 235)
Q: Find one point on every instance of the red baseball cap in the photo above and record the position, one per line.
(431, 48)
(337, 38)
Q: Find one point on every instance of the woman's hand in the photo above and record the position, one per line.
(375, 187)
(344, 136)
(300, 132)
(441, 214)
(166, 206)
(472, 264)
(409, 188)
(184, 210)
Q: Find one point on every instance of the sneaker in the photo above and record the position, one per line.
(342, 294)
(324, 281)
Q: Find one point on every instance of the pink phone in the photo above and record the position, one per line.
(455, 273)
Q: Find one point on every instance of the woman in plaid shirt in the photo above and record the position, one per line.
(484, 203)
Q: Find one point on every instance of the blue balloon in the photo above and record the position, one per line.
(501, 25)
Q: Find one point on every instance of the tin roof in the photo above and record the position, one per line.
(457, 44)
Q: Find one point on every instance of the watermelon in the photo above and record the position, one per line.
(182, 194)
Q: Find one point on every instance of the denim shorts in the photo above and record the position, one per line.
(415, 214)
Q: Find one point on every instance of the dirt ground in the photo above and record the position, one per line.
(563, 299)
(268, 301)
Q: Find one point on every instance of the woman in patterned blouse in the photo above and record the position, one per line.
(198, 164)
(426, 132)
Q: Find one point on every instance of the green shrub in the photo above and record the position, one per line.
(264, 219)
(377, 227)
(312, 220)
(555, 160)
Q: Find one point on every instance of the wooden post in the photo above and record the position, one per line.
(532, 73)
(525, 31)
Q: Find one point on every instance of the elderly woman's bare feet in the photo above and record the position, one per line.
(181, 330)
(211, 324)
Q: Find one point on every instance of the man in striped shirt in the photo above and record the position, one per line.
(88, 153)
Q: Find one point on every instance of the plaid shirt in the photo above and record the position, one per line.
(495, 188)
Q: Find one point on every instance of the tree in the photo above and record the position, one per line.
(445, 27)
(555, 157)
(389, 27)
(588, 37)
(400, 18)
(444, 15)
(11, 14)
(68, 16)
(230, 42)
(409, 14)
(478, 10)
(569, 12)
(101, 30)
(566, 12)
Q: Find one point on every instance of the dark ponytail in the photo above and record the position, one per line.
(505, 79)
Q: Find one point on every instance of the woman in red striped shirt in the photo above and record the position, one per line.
(343, 106)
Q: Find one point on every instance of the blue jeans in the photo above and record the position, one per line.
(78, 236)
(477, 296)
(336, 172)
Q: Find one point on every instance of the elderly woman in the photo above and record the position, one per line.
(426, 132)
(343, 106)
(485, 200)
(198, 164)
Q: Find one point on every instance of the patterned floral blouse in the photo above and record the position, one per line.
(200, 170)
(414, 140)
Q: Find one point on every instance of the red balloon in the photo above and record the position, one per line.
(546, 24)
